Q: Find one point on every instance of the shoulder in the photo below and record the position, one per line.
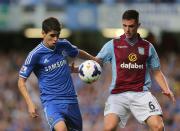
(63, 43)
(118, 38)
(109, 43)
(35, 52)
(107, 47)
(152, 50)
(146, 42)
(151, 46)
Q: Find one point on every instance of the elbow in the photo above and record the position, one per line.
(21, 82)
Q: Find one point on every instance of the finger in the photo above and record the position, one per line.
(165, 93)
(171, 96)
(34, 115)
(173, 99)
(72, 64)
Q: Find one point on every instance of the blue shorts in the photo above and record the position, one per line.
(69, 113)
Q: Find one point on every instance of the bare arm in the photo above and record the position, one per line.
(161, 80)
(23, 89)
(84, 55)
(74, 69)
(87, 56)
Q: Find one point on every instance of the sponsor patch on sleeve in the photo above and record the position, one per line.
(23, 69)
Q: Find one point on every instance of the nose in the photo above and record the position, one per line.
(56, 38)
(127, 29)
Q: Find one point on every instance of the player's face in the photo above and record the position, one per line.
(130, 27)
(50, 38)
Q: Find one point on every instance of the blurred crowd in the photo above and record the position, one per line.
(13, 110)
(14, 113)
(64, 2)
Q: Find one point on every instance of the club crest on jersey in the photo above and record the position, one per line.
(141, 50)
(46, 60)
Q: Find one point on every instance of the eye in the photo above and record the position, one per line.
(54, 35)
(124, 25)
(132, 26)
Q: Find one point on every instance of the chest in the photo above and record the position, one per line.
(128, 53)
(51, 59)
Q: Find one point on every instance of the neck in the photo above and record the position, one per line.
(132, 40)
(48, 46)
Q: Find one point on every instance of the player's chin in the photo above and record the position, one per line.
(128, 36)
(53, 43)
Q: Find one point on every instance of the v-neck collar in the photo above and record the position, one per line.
(42, 43)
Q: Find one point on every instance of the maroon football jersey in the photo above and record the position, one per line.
(130, 64)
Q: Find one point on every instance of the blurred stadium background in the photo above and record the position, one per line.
(88, 24)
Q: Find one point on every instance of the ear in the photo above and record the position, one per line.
(43, 33)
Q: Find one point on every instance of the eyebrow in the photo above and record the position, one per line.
(55, 34)
(129, 25)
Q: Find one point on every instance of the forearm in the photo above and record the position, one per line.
(85, 55)
(23, 90)
(161, 80)
(74, 69)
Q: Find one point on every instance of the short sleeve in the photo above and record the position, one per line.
(71, 50)
(28, 65)
(106, 52)
(153, 61)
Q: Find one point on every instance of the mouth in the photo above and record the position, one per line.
(127, 33)
(54, 43)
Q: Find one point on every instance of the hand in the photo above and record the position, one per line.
(98, 60)
(169, 94)
(33, 111)
(74, 69)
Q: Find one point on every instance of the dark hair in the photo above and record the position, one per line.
(51, 24)
(131, 14)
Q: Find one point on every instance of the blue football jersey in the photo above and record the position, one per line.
(53, 72)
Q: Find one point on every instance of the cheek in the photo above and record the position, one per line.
(49, 39)
(133, 30)
(125, 29)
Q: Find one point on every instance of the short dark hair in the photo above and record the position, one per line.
(51, 24)
(131, 14)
